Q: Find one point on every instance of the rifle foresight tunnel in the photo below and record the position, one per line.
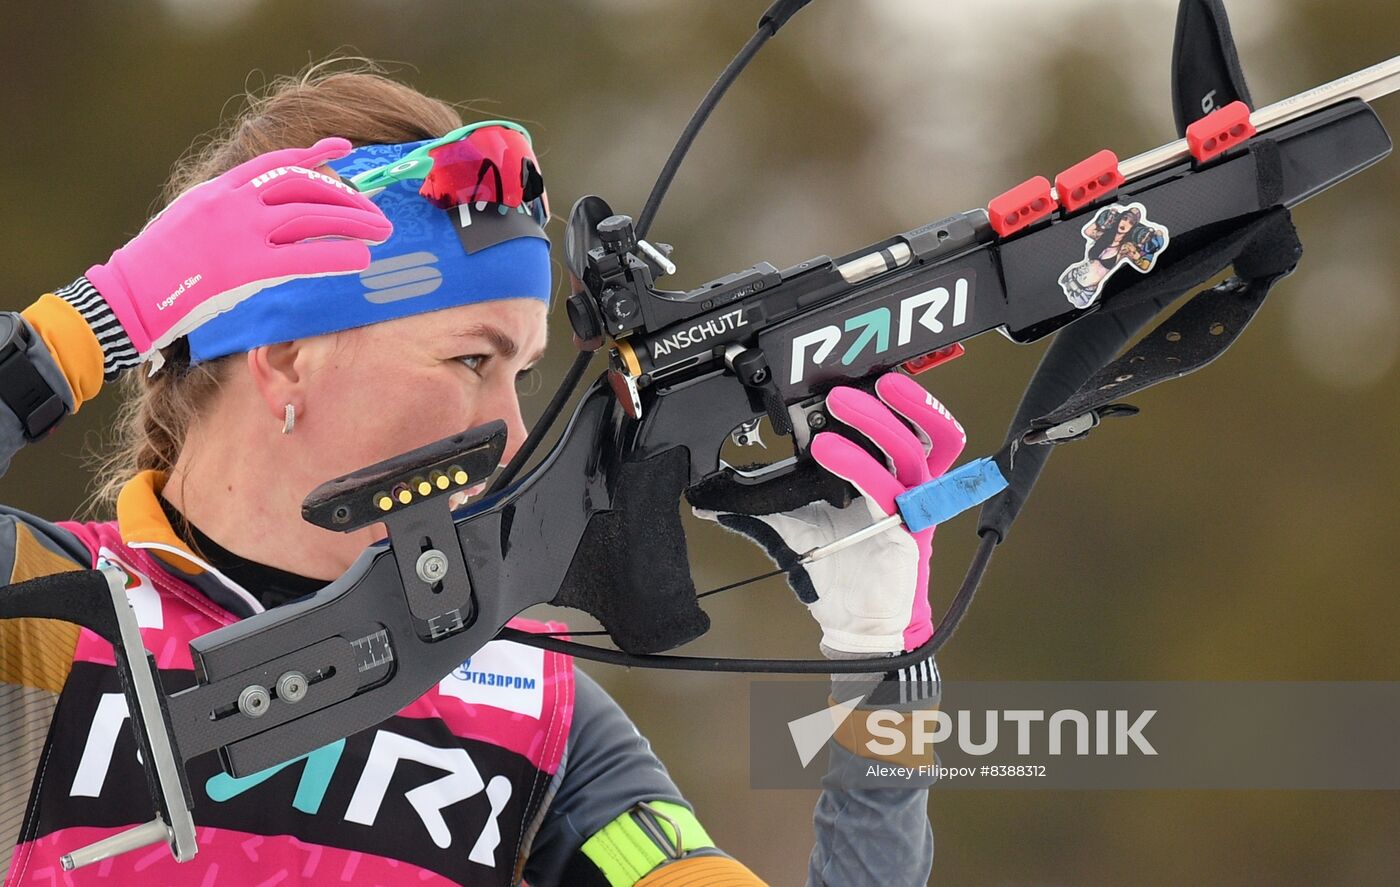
(594, 524)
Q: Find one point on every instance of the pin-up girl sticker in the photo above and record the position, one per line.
(1118, 235)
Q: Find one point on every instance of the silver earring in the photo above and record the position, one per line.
(290, 419)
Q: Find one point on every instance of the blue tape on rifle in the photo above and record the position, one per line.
(950, 495)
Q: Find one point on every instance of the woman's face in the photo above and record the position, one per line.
(1125, 225)
(391, 387)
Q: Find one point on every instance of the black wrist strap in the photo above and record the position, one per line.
(22, 388)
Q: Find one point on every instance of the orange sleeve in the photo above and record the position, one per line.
(702, 871)
(36, 653)
(857, 737)
(71, 342)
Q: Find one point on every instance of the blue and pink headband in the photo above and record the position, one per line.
(424, 266)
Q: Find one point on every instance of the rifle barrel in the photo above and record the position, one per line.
(1367, 84)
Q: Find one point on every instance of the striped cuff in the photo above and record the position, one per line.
(118, 353)
(917, 686)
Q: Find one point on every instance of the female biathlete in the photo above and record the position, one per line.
(280, 328)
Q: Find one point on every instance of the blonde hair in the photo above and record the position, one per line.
(348, 97)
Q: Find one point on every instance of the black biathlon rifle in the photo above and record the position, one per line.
(595, 526)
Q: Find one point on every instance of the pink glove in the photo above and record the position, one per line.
(915, 456)
(873, 596)
(259, 224)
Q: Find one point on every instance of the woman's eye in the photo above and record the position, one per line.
(527, 381)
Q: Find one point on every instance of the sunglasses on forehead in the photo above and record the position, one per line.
(488, 163)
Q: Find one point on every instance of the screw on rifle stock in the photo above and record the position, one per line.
(254, 700)
(432, 566)
(291, 687)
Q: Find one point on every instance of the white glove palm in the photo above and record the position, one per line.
(873, 596)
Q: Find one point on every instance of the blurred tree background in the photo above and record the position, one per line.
(1242, 528)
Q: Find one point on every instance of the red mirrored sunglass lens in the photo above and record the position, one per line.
(536, 198)
(492, 165)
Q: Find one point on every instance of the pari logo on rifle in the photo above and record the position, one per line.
(885, 331)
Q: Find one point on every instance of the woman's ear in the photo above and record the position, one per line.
(279, 372)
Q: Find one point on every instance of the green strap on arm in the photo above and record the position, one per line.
(651, 833)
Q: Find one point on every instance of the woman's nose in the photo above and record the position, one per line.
(508, 409)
